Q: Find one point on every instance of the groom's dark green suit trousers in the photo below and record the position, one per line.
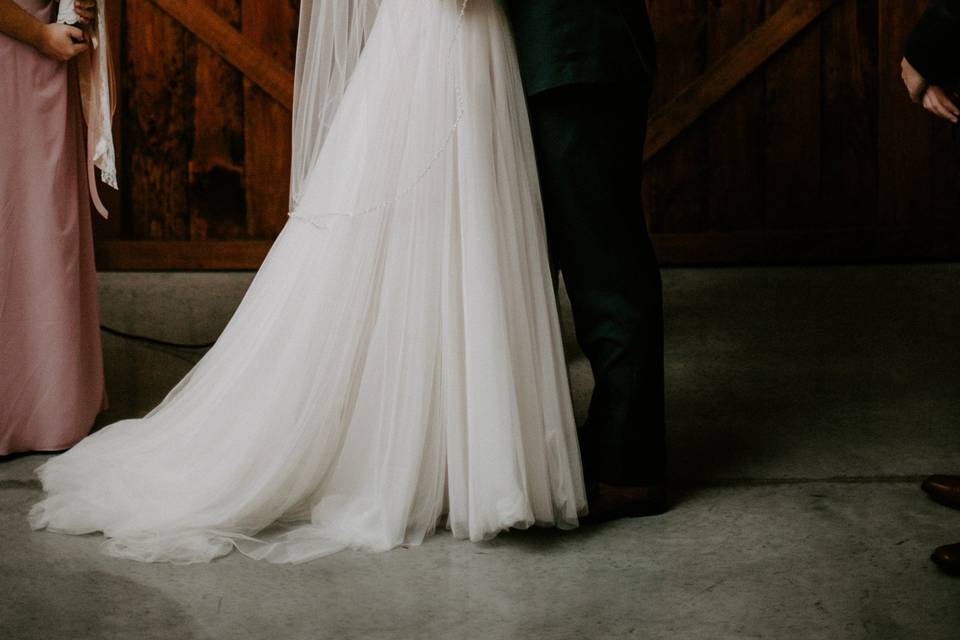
(587, 67)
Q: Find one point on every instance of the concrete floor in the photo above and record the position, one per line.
(804, 406)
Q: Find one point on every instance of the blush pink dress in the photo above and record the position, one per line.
(51, 367)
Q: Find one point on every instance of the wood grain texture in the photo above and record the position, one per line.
(801, 247)
(674, 187)
(818, 246)
(217, 189)
(158, 87)
(154, 255)
(919, 165)
(735, 126)
(219, 35)
(792, 85)
(814, 154)
(904, 131)
(731, 69)
(849, 116)
(273, 27)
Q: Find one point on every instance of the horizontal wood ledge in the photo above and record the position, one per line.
(674, 249)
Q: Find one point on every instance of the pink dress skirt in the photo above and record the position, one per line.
(51, 366)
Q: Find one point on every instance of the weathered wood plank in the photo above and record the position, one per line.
(159, 86)
(217, 197)
(944, 163)
(735, 132)
(727, 72)
(813, 246)
(791, 193)
(906, 133)
(217, 33)
(674, 181)
(849, 116)
(201, 147)
(919, 164)
(267, 133)
(154, 255)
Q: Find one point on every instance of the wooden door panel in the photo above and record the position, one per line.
(780, 133)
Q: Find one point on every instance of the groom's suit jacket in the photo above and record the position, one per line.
(561, 42)
(934, 46)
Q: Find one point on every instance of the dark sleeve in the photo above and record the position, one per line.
(638, 22)
(933, 47)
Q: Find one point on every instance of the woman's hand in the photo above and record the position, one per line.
(939, 103)
(60, 42)
(915, 83)
(86, 10)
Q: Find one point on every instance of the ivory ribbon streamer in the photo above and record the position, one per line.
(98, 99)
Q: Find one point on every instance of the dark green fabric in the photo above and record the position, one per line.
(589, 140)
(934, 45)
(561, 42)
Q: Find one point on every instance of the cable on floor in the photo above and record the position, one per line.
(154, 341)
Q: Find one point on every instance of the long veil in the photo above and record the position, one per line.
(396, 146)
(331, 37)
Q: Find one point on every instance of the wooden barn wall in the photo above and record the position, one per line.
(205, 154)
(816, 157)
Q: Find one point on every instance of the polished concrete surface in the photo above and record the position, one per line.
(804, 406)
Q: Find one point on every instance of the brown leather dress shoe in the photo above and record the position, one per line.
(947, 558)
(944, 489)
(609, 502)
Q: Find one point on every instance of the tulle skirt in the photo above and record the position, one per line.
(390, 370)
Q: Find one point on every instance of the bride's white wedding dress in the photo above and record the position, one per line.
(396, 364)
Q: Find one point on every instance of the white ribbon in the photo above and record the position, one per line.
(98, 99)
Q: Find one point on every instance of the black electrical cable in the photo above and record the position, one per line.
(153, 341)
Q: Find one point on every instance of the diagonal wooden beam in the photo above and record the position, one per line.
(665, 125)
(247, 57)
(730, 70)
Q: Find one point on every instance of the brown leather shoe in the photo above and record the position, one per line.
(609, 502)
(944, 489)
(947, 558)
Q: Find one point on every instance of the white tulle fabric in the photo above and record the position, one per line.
(389, 370)
(393, 110)
(332, 35)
